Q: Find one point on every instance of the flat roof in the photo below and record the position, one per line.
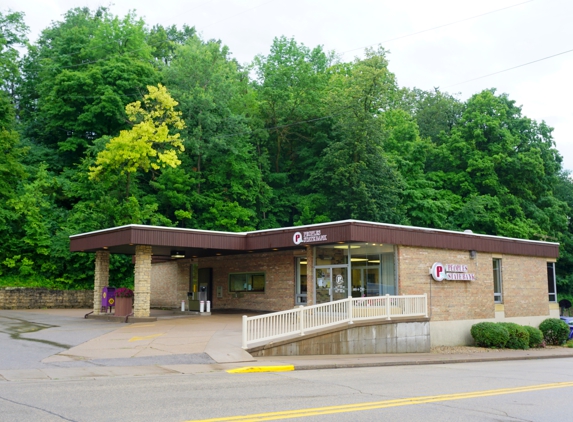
(198, 243)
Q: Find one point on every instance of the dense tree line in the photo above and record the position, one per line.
(106, 121)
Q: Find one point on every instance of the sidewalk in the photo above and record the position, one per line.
(197, 344)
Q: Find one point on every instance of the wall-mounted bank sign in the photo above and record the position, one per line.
(308, 237)
(454, 272)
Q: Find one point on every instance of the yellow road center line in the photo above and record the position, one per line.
(249, 369)
(136, 338)
(384, 404)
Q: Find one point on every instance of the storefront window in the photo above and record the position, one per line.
(332, 255)
(357, 270)
(373, 270)
(247, 282)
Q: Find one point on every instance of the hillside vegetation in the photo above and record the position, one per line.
(106, 121)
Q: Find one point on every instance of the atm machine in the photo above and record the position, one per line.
(202, 291)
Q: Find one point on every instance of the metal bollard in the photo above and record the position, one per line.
(208, 306)
(202, 306)
(182, 306)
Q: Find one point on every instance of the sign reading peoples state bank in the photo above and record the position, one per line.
(453, 272)
(308, 237)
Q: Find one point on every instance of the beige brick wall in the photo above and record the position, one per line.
(169, 283)
(279, 269)
(524, 284)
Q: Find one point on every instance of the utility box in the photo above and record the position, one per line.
(108, 298)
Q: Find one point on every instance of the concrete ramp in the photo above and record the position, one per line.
(372, 337)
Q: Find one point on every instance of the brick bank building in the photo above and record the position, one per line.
(467, 277)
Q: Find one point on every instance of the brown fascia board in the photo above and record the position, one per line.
(364, 231)
(446, 239)
(156, 236)
(339, 231)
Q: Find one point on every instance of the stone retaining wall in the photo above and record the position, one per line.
(24, 298)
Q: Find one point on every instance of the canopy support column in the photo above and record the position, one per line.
(309, 275)
(101, 278)
(142, 282)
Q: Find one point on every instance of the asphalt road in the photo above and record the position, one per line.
(488, 391)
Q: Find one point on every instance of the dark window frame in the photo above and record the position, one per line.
(248, 282)
(497, 280)
(551, 282)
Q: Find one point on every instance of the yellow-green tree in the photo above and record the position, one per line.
(150, 143)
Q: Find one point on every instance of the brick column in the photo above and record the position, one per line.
(101, 278)
(309, 275)
(142, 282)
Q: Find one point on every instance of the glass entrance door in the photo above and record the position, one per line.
(339, 284)
(323, 283)
(331, 284)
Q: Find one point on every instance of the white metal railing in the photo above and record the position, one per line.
(277, 325)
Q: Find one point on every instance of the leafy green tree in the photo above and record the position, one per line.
(11, 169)
(13, 32)
(219, 185)
(148, 145)
(12, 172)
(79, 78)
(353, 171)
(291, 84)
(165, 40)
(435, 112)
(422, 203)
(564, 268)
(501, 168)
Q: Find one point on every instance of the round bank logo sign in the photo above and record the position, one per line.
(437, 271)
(297, 238)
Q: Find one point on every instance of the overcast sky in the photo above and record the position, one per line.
(445, 57)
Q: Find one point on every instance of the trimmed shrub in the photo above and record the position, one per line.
(555, 331)
(489, 334)
(535, 336)
(518, 335)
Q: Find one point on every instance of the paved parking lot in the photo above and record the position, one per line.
(42, 339)
(29, 336)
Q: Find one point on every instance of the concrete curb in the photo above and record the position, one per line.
(85, 373)
(423, 362)
(120, 319)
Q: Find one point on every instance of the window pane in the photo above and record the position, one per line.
(258, 282)
(237, 282)
(332, 255)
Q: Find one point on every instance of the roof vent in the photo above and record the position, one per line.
(467, 231)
